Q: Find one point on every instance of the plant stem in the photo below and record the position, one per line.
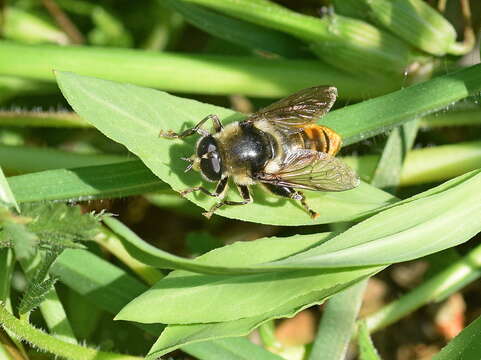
(57, 347)
(112, 243)
(42, 119)
(436, 288)
(205, 74)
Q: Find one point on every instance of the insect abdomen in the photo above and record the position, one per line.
(321, 138)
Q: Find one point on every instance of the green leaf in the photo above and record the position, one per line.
(175, 336)
(6, 195)
(100, 101)
(261, 293)
(367, 351)
(59, 225)
(111, 288)
(374, 116)
(389, 168)
(213, 74)
(23, 241)
(442, 217)
(239, 32)
(465, 346)
(337, 324)
(35, 294)
(86, 183)
(229, 349)
(256, 252)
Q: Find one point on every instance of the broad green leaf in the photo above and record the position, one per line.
(465, 346)
(237, 253)
(110, 288)
(133, 116)
(115, 180)
(367, 351)
(360, 242)
(167, 300)
(233, 349)
(175, 336)
(421, 225)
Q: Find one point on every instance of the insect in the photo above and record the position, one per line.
(280, 146)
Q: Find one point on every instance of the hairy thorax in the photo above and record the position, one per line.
(245, 150)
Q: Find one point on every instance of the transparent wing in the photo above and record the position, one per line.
(298, 109)
(313, 170)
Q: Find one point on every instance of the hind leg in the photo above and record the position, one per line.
(291, 193)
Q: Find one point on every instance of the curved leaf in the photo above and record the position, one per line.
(133, 116)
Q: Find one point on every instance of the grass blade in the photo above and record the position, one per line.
(193, 74)
(338, 323)
(93, 182)
(367, 351)
(246, 34)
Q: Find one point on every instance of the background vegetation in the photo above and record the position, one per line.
(93, 228)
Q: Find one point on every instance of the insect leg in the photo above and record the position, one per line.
(216, 122)
(245, 193)
(302, 199)
(219, 190)
(195, 130)
(290, 193)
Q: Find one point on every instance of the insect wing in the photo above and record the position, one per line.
(313, 170)
(298, 109)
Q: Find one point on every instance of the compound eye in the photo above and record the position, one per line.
(210, 160)
(212, 166)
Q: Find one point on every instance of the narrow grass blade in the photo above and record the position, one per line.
(188, 73)
(58, 119)
(435, 289)
(338, 323)
(24, 159)
(240, 32)
(387, 175)
(93, 182)
(367, 351)
(371, 117)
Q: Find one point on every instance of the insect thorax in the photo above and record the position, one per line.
(245, 149)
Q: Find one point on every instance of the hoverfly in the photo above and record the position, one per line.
(280, 147)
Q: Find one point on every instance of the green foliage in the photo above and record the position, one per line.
(367, 351)
(110, 149)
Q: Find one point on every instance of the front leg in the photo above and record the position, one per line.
(246, 196)
(197, 129)
(219, 189)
